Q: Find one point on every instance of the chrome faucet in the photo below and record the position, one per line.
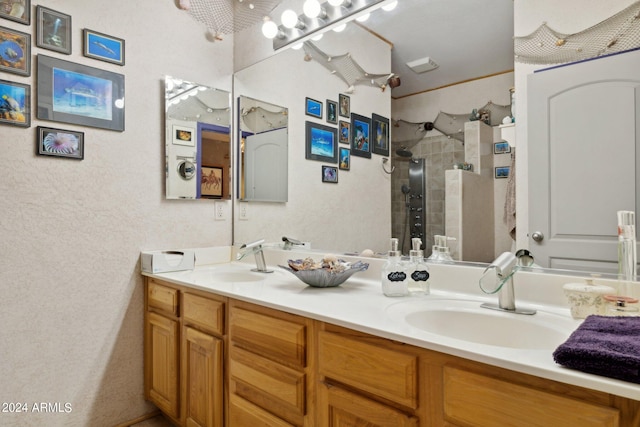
(504, 267)
(256, 249)
(289, 242)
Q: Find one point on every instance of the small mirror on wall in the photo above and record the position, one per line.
(197, 128)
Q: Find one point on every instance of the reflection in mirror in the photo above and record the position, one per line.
(263, 151)
(198, 146)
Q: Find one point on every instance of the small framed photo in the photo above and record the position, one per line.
(53, 30)
(502, 172)
(360, 135)
(313, 108)
(345, 105)
(184, 136)
(501, 147)
(330, 174)
(15, 52)
(380, 135)
(211, 182)
(345, 131)
(332, 112)
(103, 47)
(60, 143)
(16, 10)
(321, 142)
(345, 159)
(15, 109)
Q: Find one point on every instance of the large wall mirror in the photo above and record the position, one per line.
(262, 151)
(198, 141)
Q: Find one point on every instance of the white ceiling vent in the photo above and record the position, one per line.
(422, 65)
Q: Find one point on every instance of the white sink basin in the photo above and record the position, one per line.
(466, 320)
(226, 273)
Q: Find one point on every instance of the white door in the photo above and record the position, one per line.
(583, 139)
(266, 162)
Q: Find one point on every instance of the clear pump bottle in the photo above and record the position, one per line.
(395, 282)
(418, 271)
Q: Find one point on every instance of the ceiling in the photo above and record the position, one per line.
(468, 39)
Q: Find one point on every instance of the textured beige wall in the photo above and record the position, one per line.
(71, 231)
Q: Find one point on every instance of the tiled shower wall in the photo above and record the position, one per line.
(440, 153)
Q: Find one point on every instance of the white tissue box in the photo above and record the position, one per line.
(165, 261)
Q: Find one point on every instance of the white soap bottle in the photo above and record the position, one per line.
(418, 271)
(394, 277)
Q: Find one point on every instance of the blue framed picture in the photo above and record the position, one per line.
(330, 174)
(360, 136)
(380, 134)
(15, 104)
(345, 131)
(345, 159)
(502, 172)
(501, 147)
(321, 142)
(313, 108)
(15, 52)
(103, 47)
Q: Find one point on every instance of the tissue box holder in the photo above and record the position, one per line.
(166, 261)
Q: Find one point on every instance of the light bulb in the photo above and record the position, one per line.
(335, 2)
(318, 37)
(289, 18)
(269, 29)
(297, 46)
(312, 8)
(340, 28)
(389, 7)
(363, 17)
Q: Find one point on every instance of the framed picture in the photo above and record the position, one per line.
(81, 95)
(345, 105)
(60, 143)
(321, 142)
(380, 135)
(15, 52)
(313, 108)
(330, 174)
(501, 147)
(16, 10)
(502, 172)
(360, 135)
(211, 182)
(345, 131)
(103, 47)
(184, 136)
(15, 104)
(332, 112)
(345, 159)
(53, 30)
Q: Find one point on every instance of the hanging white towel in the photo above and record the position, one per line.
(510, 198)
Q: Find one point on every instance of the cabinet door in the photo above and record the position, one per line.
(341, 408)
(162, 362)
(202, 372)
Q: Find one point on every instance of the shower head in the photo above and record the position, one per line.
(404, 152)
(405, 189)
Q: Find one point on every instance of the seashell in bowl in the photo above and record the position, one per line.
(324, 275)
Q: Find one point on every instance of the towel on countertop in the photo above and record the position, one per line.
(607, 346)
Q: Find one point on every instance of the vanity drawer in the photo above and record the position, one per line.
(204, 312)
(162, 297)
(277, 336)
(372, 368)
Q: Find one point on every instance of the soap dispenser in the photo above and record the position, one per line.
(440, 250)
(418, 271)
(395, 281)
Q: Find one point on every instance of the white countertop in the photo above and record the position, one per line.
(359, 304)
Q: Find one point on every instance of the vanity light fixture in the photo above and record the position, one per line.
(318, 18)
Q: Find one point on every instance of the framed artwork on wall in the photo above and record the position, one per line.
(330, 174)
(321, 142)
(360, 135)
(184, 136)
(345, 159)
(380, 135)
(103, 47)
(211, 182)
(15, 104)
(15, 52)
(53, 30)
(502, 172)
(313, 108)
(344, 105)
(60, 143)
(501, 147)
(78, 94)
(16, 10)
(332, 112)
(345, 131)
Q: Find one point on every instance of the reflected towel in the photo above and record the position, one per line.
(607, 346)
(510, 199)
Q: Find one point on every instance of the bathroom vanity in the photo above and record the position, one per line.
(227, 346)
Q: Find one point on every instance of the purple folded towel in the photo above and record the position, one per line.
(607, 346)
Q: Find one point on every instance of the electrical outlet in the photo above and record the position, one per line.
(220, 213)
(244, 212)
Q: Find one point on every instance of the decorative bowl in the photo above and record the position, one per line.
(323, 276)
